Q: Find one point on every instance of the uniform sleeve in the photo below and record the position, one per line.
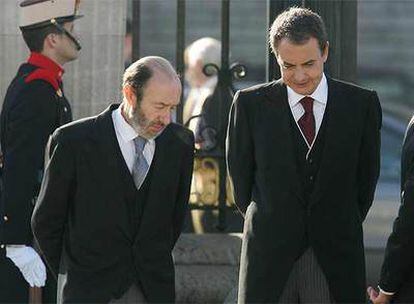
(51, 210)
(369, 163)
(181, 203)
(240, 154)
(31, 118)
(399, 253)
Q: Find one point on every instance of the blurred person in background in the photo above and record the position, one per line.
(201, 52)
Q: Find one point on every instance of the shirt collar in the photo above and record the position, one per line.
(46, 63)
(319, 95)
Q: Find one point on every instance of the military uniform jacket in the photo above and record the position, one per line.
(33, 108)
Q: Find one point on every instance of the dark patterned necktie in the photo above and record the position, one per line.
(307, 121)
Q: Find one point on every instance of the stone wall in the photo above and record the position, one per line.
(385, 39)
(207, 267)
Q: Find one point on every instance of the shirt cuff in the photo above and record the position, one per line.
(387, 293)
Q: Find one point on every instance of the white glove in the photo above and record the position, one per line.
(29, 263)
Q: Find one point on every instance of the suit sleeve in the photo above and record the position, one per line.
(399, 253)
(240, 154)
(51, 210)
(30, 121)
(369, 163)
(181, 203)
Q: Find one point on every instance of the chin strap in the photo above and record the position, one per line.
(66, 32)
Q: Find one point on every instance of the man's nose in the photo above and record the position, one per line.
(300, 75)
(166, 118)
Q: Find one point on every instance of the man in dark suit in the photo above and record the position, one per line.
(115, 192)
(303, 154)
(397, 275)
(33, 108)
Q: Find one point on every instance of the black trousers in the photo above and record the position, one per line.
(13, 287)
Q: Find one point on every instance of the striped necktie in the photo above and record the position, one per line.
(140, 168)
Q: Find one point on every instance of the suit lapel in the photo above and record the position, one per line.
(159, 177)
(118, 170)
(336, 115)
(280, 131)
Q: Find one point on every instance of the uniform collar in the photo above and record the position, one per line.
(319, 95)
(46, 63)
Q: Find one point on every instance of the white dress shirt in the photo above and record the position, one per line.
(320, 97)
(387, 293)
(126, 135)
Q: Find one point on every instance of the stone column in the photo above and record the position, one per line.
(12, 47)
(341, 22)
(94, 80)
(207, 267)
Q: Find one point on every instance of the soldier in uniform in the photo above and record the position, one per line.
(33, 108)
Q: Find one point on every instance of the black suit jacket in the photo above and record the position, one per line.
(397, 274)
(268, 191)
(83, 210)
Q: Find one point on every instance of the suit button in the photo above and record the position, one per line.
(5, 218)
(311, 178)
(310, 160)
(2, 246)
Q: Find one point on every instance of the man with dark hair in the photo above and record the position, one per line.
(33, 108)
(303, 154)
(115, 192)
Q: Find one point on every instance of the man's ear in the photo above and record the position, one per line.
(50, 41)
(326, 52)
(129, 94)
